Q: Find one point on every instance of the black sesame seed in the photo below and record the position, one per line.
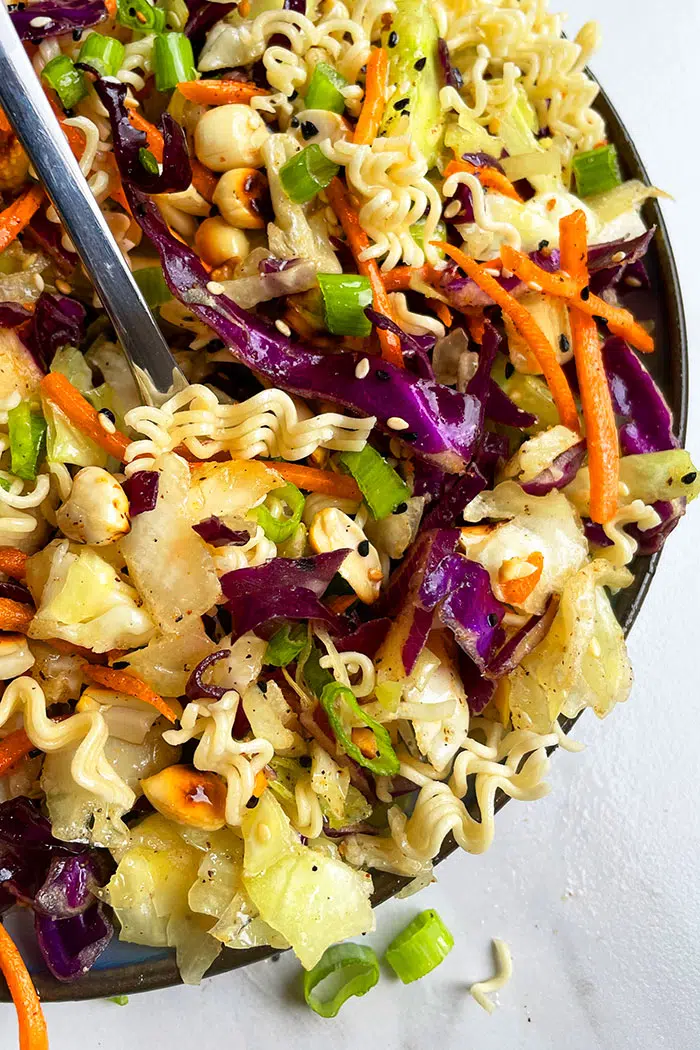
(401, 509)
(294, 122)
(509, 370)
(305, 761)
(409, 435)
(77, 33)
(363, 548)
(542, 245)
(492, 619)
(120, 665)
(401, 104)
(688, 479)
(308, 129)
(585, 294)
(382, 376)
(564, 344)
(108, 414)
(262, 687)
(599, 320)
(252, 802)
(420, 64)
(393, 38)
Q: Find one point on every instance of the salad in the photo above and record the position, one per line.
(304, 618)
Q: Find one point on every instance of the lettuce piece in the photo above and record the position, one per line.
(84, 600)
(517, 130)
(583, 660)
(311, 899)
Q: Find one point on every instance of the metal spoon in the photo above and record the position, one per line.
(27, 107)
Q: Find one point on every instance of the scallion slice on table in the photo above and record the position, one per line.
(345, 297)
(104, 54)
(285, 645)
(27, 431)
(356, 970)
(379, 483)
(419, 948)
(140, 15)
(173, 60)
(597, 171)
(307, 173)
(67, 81)
(324, 90)
(280, 528)
(151, 281)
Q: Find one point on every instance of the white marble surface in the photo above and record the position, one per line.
(594, 888)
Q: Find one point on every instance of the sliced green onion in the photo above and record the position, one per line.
(148, 161)
(285, 645)
(417, 231)
(119, 1000)
(5, 484)
(104, 54)
(67, 81)
(325, 89)
(140, 15)
(27, 432)
(173, 60)
(345, 714)
(315, 676)
(356, 968)
(597, 171)
(419, 948)
(151, 281)
(345, 296)
(176, 14)
(277, 521)
(379, 483)
(307, 173)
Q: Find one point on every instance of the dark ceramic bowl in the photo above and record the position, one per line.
(126, 969)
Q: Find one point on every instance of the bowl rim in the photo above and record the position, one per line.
(162, 972)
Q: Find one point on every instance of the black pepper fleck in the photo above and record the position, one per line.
(294, 122)
(305, 761)
(542, 245)
(108, 414)
(77, 33)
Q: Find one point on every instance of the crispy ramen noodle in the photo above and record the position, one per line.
(504, 971)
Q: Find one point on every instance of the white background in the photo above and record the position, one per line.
(595, 887)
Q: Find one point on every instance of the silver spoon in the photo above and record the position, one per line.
(27, 107)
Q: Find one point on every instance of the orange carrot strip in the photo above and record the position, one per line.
(358, 240)
(311, 479)
(19, 214)
(61, 391)
(620, 321)
(518, 590)
(489, 177)
(76, 139)
(598, 412)
(444, 313)
(154, 137)
(203, 180)
(476, 324)
(259, 784)
(13, 562)
(33, 1034)
(15, 616)
(111, 8)
(374, 103)
(123, 682)
(529, 330)
(340, 603)
(13, 749)
(219, 92)
(5, 125)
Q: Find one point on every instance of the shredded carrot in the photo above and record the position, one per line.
(374, 104)
(153, 136)
(518, 590)
(124, 682)
(13, 749)
(13, 562)
(576, 292)
(311, 479)
(488, 177)
(365, 739)
(444, 313)
(111, 8)
(5, 125)
(33, 1034)
(529, 330)
(61, 391)
(76, 139)
(476, 324)
(340, 603)
(19, 214)
(358, 240)
(598, 411)
(203, 180)
(259, 784)
(15, 616)
(219, 92)
(116, 189)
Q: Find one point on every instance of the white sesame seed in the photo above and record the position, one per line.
(396, 423)
(215, 288)
(492, 273)
(283, 327)
(534, 286)
(505, 272)
(39, 282)
(362, 368)
(106, 423)
(452, 209)
(633, 282)
(40, 22)
(63, 286)
(618, 257)
(594, 648)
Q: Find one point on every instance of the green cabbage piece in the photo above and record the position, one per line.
(650, 477)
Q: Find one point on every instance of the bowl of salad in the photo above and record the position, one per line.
(278, 643)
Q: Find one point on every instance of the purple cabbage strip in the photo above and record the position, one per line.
(197, 688)
(295, 5)
(64, 16)
(293, 603)
(500, 409)
(428, 480)
(417, 346)
(69, 887)
(651, 541)
(57, 321)
(472, 612)
(366, 638)
(522, 643)
(142, 491)
(595, 534)
(636, 398)
(176, 174)
(202, 17)
(48, 236)
(16, 592)
(71, 946)
(217, 533)
(453, 77)
(13, 315)
(479, 690)
(457, 493)
(560, 474)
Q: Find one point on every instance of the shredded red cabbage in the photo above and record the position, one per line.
(197, 688)
(636, 398)
(453, 77)
(49, 236)
(366, 638)
(561, 473)
(217, 533)
(142, 491)
(471, 611)
(500, 409)
(16, 592)
(202, 17)
(522, 643)
(13, 315)
(479, 690)
(72, 946)
(457, 493)
(64, 17)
